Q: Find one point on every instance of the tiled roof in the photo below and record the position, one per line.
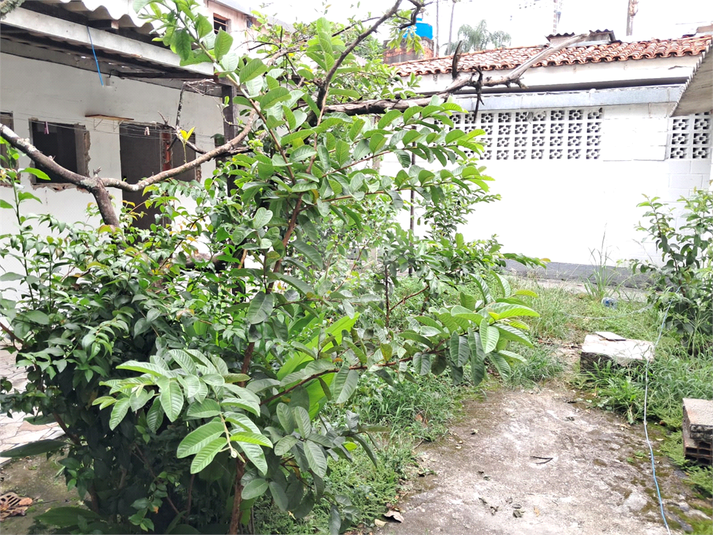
(510, 58)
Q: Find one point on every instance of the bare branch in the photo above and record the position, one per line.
(516, 74)
(93, 184)
(210, 155)
(475, 79)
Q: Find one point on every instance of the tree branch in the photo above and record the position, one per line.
(377, 106)
(516, 74)
(323, 90)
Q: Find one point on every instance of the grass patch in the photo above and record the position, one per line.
(542, 364)
(412, 412)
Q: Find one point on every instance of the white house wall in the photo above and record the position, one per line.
(31, 89)
(562, 209)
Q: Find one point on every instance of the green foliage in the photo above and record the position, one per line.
(207, 363)
(479, 38)
(683, 282)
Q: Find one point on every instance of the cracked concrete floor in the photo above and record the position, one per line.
(542, 462)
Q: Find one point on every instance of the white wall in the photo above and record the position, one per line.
(60, 94)
(562, 209)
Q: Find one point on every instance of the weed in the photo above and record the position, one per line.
(601, 282)
(700, 478)
(541, 364)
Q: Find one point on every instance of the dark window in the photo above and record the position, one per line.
(6, 119)
(68, 144)
(220, 23)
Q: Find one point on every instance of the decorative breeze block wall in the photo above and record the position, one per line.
(561, 134)
(691, 137)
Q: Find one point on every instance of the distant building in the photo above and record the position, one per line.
(574, 151)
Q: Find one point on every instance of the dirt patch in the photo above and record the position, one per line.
(36, 478)
(537, 462)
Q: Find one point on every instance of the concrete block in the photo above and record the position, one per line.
(698, 417)
(597, 349)
(702, 166)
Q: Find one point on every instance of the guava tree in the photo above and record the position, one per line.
(189, 364)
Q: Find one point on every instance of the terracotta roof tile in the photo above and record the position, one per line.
(510, 58)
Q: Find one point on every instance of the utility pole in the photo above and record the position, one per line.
(631, 12)
(438, 23)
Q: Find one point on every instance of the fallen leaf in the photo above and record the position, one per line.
(394, 515)
(537, 511)
(379, 523)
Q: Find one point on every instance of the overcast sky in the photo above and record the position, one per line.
(527, 21)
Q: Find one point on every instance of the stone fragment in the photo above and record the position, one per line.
(598, 350)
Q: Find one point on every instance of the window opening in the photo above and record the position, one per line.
(6, 119)
(68, 144)
(220, 23)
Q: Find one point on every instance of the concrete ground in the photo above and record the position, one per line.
(542, 462)
(14, 430)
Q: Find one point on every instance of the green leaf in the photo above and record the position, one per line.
(66, 516)
(144, 367)
(350, 384)
(37, 316)
(118, 412)
(489, 336)
(208, 408)
(255, 67)
(182, 43)
(262, 217)
(501, 311)
(275, 96)
(315, 457)
(459, 350)
(195, 440)
(278, 494)
(500, 364)
(388, 118)
(509, 332)
(477, 358)
(284, 445)
(301, 417)
(335, 521)
(34, 448)
(310, 252)
(251, 438)
(36, 172)
(6, 205)
(297, 283)
(412, 335)
(207, 453)
(172, 400)
(256, 456)
(256, 488)
(260, 308)
(154, 417)
(284, 415)
(140, 4)
(223, 42)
